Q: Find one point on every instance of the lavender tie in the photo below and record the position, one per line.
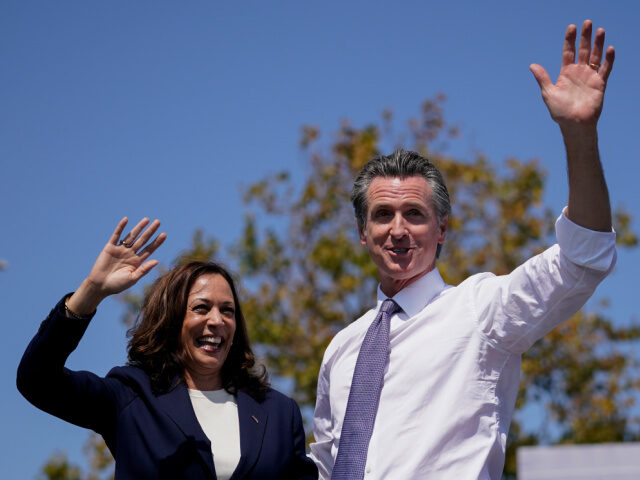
(364, 397)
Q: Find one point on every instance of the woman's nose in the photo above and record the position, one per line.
(215, 318)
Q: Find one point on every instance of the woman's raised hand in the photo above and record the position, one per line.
(121, 263)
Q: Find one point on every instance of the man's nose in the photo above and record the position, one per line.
(398, 226)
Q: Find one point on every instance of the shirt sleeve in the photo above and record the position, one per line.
(321, 448)
(589, 248)
(514, 311)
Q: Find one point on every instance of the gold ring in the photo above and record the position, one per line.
(595, 66)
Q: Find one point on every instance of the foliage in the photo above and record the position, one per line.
(305, 275)
(58, 466)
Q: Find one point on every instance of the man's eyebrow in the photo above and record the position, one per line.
(388, 205)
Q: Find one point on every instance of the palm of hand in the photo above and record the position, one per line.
(577, 95)
(114, 268)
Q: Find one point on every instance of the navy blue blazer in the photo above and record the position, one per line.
(156, 436)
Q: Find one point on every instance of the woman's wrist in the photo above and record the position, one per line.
(84, 301)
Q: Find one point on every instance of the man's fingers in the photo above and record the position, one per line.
(541, 76)
(598, 44)
(607, 65)
(584, 50)
(569, 46)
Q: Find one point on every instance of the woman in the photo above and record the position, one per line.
(189, 404)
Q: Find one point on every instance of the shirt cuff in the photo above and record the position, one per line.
(589, 248)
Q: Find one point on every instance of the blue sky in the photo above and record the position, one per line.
(165, 109)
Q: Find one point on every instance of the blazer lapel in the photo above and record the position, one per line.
(253, 421)
(177, 405)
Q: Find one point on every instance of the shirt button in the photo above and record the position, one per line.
(368, 469)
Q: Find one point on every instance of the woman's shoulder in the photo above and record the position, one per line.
(273, 397)
(132, 377)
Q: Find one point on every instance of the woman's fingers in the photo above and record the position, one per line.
(130, 256)
(118, 231)
(129, 239)
(146, 235)
(149, 249)
(143, 269)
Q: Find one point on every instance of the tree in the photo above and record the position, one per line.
(305, 275)
(101, 465)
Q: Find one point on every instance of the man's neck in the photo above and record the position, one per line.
(390, 287)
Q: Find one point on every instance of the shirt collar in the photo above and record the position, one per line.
(417, 295)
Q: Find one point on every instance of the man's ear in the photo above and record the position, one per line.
(363, 234)
(443, 228)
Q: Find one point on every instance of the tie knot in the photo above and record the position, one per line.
(389, 307)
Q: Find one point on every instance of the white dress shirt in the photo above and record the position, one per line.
(451, 383)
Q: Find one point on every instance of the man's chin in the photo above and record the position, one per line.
(400, 272)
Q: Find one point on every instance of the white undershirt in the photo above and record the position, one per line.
(217, 412)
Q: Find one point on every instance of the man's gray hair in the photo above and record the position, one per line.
(400, 164)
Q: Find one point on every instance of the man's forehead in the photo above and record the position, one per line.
(411, 189)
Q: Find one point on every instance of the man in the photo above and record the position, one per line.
(438, 397)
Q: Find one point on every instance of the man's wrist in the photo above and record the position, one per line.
(579, 132)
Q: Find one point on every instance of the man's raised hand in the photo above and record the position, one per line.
(578, 94)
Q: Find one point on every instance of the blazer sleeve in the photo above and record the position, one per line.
(304, 467)
(81, 398)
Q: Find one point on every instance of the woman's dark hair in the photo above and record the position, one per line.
(155, 345)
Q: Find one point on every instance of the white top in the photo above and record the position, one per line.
(451, 382)
(217, 413)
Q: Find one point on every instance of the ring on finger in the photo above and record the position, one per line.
(125, 244)
(595, 66)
